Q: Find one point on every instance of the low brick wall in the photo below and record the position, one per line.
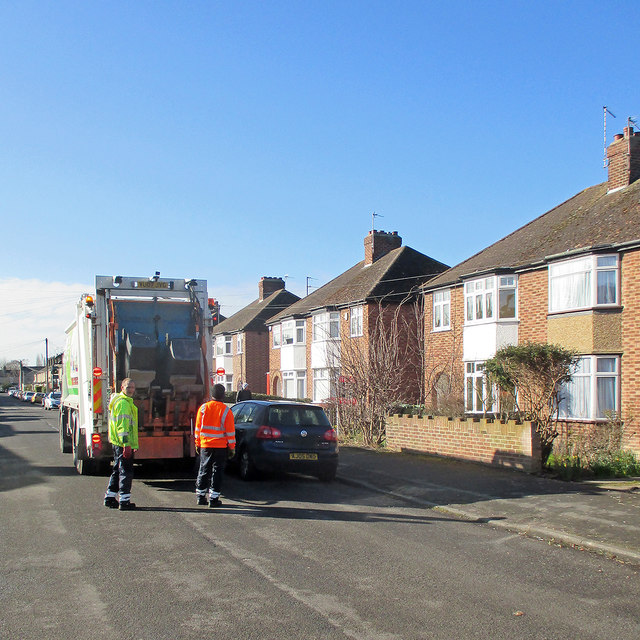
(500, 443)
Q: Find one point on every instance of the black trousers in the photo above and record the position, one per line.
(121, 476)
(209, 479)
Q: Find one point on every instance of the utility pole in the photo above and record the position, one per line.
(46, 360)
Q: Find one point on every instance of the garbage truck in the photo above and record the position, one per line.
(156, 331)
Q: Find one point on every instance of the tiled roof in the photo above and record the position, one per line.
(390, 277)
(592, 219)
(255, 314)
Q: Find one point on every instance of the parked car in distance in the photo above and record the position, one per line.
(37, 397)
(284, 436)
(27, 395)
(52, 400)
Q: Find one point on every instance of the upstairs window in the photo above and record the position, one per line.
(276, 333)
(223, 345)
(583, 283)
(481, 296)
(239, 343)
(293, 332)
(326, 326)
(441, 310)
(356, 322)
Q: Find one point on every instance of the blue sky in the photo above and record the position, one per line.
(231, 140)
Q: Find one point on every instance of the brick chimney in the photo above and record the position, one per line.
(379, 243)
(267, 286)
(624, 159)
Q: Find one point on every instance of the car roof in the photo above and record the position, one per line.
(276, 403)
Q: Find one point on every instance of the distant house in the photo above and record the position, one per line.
(570, 277)
(311, 337)
(10, 374)
(241, 342)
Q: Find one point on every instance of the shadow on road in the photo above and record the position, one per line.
(301, 513)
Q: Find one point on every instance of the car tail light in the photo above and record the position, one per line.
(330, 435)
(268, 433)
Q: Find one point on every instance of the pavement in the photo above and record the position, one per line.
(599, 516)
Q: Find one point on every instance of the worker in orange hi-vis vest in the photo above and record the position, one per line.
(215, 439)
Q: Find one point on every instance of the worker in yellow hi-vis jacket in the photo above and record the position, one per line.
(123, 436)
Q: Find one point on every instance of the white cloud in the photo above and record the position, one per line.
(32, 311)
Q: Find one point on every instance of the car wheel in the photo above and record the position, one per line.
(65, 440)
(327, 474)
(247, 468)
(83, 465)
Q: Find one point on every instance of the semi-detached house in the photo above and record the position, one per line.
(570, 277)
(308, 339)
(241, 342)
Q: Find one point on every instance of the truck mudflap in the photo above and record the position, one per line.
(166, 445)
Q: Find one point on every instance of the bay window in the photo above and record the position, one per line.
(582, 283)
(592, 393)
(481, 296)
(294, 384)
(293, 332)
(324, 384)
(276, 333)
(479, 396)
(326, 326)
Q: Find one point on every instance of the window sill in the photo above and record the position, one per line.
(480, 323)
(441, 329)
(585, 310)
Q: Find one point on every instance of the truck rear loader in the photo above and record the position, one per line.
(156, 331)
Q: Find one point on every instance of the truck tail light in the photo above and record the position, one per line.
(330, 435)
(96, 442)
(268, 433)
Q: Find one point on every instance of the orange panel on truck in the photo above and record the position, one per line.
(154, 447)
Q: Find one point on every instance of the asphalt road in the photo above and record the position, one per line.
(286, 557)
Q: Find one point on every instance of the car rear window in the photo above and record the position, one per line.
(293, 416)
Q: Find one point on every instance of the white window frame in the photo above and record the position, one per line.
(298, 379)
(301, 332)
(582, 274)
(239, 343)
(355, 321)
(226, 381)
(474, 381)
(227, 346)
(293, 332)
(586, 380)
(442, 310)
(276, 336)
(326, 326)
(219, 345)
(324, 380)
(482, 299)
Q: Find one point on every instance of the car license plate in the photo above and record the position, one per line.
(303, 456)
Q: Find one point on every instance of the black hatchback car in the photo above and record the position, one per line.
(284, 436)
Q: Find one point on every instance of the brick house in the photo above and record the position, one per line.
(570, 277)
(241, 342)
(309, 338)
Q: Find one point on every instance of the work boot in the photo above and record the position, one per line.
(202, 500)
(127, 506)
(216, 502)
(111, 503)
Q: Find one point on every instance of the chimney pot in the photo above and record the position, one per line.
(379, 243)
(268, 285)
